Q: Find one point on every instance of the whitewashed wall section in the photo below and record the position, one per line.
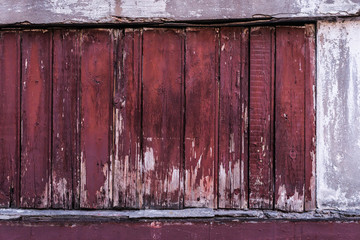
(338, 114)
(100, 11)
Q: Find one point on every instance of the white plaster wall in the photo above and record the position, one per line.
(338, 114)
(95, 11)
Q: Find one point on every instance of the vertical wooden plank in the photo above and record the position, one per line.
(261, 177)
(289, 118)
(233, 147)
(65, 147)
(244, 120)
(162, 117)
(96, 118)
(201, 117)
(310, 118)
(127, 102)
(9, 118)
(35, 119)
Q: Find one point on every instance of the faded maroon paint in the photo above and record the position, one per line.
(35, 119)
(289, 119)
(261, 119)
(65, 119)
(180, 230)
(127, 104)
(162, 117)
(310, 118)
(96, 118)
(233, 117)
(201, 117)
(9, 118)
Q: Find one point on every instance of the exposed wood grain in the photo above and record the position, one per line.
(201, 117)
(96, 118)
(9, 118)
(289, 118)
(127, 103)
(162, 117)
(65, 136)
(261, 177)
(310, 118)
(35, 122)
(233, 147)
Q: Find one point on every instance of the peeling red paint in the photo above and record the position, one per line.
(233, 153)
(96, 118)
(65, 119)
(177, 100)
(200, 114)
(35, 119)
(262, 62)
(10, 117)
(162, 117)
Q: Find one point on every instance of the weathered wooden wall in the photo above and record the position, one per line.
(158, 118)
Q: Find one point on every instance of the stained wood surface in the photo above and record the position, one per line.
(9, 118)
(233, 127)
(201, 117)
(65, 119)
(96, 118)
(127, 104)
(262, 62)
(289, 119)
(162, 121)
(35, 119)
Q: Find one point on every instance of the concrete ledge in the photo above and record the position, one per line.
(195, 213)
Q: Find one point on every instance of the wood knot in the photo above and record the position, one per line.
(119, 101)
(292, 154)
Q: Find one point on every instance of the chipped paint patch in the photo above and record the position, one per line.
(61, 188)
(173, 185)
(118, 186)
(222, 181)
(144, 8)
(289, 203)
(91, 9)
(149, 159)
(201, 186)
(83, 191)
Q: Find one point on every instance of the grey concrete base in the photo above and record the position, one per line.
(198, 213)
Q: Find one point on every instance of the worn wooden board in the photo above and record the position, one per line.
(261, 143)
(9, 118)
(233, 127)
(35, 119)
(65, 119)
(162, 120)
(201, 84)
(96, 118)
(127, 104)
(289, 119)
(310, 118)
